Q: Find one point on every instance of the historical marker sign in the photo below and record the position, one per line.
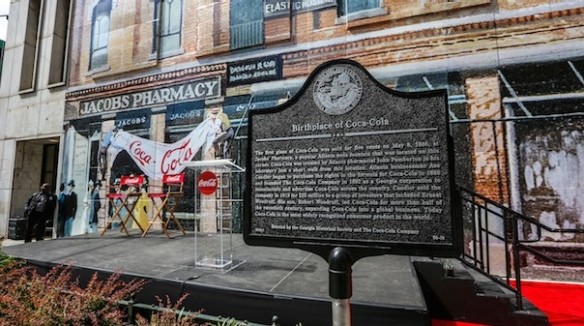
(349, 163)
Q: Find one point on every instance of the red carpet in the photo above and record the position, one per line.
(452, 323)
(562, 302)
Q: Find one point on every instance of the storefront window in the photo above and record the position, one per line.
(247, 24)
(457, 113)
(348, 7)
(452, 82)
(168, 27)
(183, 117)
(100, 34)
(544, 109)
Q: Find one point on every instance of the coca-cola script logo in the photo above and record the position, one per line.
(132, 181)
(207, 183)
(173, 178)
(139, 153)
(173, 158)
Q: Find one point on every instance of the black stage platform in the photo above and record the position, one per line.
(289, 283)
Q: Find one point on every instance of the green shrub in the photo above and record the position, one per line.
(28, 298)
(166, 314)
(4, 259)
(56, 298)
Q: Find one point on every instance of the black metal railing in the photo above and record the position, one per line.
(486, 221)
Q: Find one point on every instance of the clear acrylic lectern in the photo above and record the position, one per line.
(214, 216)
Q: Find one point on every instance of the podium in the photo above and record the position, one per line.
(214, 202)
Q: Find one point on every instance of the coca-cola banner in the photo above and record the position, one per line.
(157, 159)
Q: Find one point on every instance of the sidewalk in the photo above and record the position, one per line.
(9, 243)
(290, 283)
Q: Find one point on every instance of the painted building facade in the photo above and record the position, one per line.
(145, 77)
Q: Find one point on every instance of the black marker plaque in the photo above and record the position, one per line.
(349, 163)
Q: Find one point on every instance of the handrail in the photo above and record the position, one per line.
(482, 211)
(551, 259)
(521, 216)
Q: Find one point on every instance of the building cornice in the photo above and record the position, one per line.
(158, 80)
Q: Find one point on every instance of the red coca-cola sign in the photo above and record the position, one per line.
(173, 178)
(207, 183)
(132, 181)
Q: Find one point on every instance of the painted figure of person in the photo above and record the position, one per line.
(61, 212)
(114, 188)
(102, 153)
(38, 209)
(223, 133)
(215, 127)
(94, 205)
(70, 207)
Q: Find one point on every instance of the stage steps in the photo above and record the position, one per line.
(460, 293)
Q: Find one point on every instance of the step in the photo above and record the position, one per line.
(462, 293)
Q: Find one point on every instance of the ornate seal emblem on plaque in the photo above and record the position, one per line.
(337, 90)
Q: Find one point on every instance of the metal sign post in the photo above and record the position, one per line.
(340, 285)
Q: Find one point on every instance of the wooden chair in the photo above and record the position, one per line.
(166, 201)
(119, 201)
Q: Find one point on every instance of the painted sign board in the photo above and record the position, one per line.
(279, 8)
(199, 89)
(255, 70)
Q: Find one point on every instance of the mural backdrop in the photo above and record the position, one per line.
(154, 84)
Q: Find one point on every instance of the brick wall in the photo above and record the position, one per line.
(277, 30)
(206, 28)
(205, 18)
(487, 139)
